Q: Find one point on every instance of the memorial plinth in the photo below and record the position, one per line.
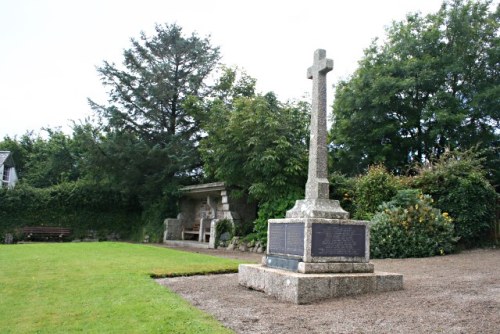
(318, 240)
(300, 288)
(316, 252)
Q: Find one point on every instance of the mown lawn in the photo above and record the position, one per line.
(99, 288)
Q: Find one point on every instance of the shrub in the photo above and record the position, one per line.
(343, 189)
(372, 189)
(458, 184)
(223, 226)
(269, 210)
(408, 226)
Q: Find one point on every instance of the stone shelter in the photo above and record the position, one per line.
(201, 207)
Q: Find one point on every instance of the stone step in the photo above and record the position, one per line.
(301, 288)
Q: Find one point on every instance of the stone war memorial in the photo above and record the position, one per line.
(316, 252)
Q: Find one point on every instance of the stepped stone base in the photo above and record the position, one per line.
(335, 268)
(301, 288)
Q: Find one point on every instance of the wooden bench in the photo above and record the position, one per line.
(45, 232)
(195, 231)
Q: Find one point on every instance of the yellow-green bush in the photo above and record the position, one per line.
(409, 226)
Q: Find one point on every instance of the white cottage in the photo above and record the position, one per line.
(7, 170)
(201, 208)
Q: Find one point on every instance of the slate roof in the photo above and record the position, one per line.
(203, 189)
(6, 158)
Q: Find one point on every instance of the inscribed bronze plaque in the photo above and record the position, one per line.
(286, 238)
(338, 240)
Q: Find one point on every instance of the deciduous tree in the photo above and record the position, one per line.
(434, 84)
(257, 144)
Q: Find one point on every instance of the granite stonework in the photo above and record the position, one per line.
(334, 262)
(301, 288)
(316, 252)
(317, 208)
(202, 207)
(317, 186)
(335, 267)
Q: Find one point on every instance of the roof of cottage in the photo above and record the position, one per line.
(6, 158)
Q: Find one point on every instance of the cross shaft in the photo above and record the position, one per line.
(317, 186)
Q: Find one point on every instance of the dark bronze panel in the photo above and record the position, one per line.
(286, 238)
(338, 240)
(277, 238)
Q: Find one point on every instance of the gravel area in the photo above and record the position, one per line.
(449, 294)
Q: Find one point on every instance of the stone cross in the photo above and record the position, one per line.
(317, 186)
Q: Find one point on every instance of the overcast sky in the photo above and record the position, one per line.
(50, 48)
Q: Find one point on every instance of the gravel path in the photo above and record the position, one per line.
(449, 294)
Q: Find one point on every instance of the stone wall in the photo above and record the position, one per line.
(246, 211)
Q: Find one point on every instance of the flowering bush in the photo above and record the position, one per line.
(408, 226)
(372, 189)
(458, 184)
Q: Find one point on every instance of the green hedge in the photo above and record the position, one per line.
(81, 206)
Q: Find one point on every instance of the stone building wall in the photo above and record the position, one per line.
(197, 207)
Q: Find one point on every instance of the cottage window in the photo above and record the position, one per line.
(5, 177)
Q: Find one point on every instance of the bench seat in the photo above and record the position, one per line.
(46, 232)
(195, 230)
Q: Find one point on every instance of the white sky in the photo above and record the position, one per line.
(50, 48)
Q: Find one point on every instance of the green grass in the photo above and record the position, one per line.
(99, 288)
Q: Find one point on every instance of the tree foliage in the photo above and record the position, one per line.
(143, 142)
(257, 144)
(159, 74)
(434, 84)
(458, 184)
(19, 148)
(43, 162)
(149, 138)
